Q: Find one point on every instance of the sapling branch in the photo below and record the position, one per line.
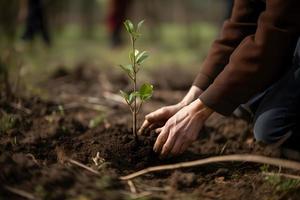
(134, 88)
(136, 60)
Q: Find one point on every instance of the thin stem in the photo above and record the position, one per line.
(130, 107)
(134, 114)
(138, 110)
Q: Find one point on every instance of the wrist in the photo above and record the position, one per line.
(183, 103)
(192, 95)
(199, 107)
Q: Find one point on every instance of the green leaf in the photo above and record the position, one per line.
(128, 69)
(146, 91)
(142, 57)
(139, 25)
(124, 95)
(132, 57)
(132, 97)
(129, 26)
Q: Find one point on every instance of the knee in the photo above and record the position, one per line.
(261, 131)
(268, 127)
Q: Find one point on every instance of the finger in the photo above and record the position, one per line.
(151, 127)
(168, 146)
(155, 125)
(161, 139)
(157, 115)
(177, 146)
(148, 129)
(144, 126)
(158, 130)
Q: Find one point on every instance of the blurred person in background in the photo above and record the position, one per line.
(36, 22)
(255, 58)
(118, 10)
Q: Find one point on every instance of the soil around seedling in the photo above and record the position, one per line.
(127, 152)
(35, 147)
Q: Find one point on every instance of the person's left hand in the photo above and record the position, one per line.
(181, 129)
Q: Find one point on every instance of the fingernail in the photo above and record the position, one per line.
(154, 149)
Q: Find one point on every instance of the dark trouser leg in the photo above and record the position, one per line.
(278, 115)
(36, 22)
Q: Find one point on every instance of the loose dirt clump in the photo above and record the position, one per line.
(127, 153)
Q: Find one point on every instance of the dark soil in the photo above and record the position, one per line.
(122, 149)
(38, 138)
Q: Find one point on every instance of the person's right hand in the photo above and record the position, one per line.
(159, 117)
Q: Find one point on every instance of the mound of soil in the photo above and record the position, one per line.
(125, 152)
(116, 145)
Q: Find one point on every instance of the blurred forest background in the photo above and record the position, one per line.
(176, 33)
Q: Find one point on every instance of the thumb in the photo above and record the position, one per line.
(157, 115)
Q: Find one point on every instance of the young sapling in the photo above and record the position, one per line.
(136, 58)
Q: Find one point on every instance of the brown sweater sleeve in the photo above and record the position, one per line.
(241, 24)
(259, 60)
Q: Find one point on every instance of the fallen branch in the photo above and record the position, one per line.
(132, 187)
(290, 176)
(29, 155)
(76, 105)
(100, 101)
(20, 193)
(83, 166)
(228, 158)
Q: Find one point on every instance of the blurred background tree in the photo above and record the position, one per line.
(178, 33)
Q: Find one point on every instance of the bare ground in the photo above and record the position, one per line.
(82, 118)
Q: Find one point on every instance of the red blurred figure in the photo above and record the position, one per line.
(117, 15)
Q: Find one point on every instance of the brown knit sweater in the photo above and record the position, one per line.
(254, 50)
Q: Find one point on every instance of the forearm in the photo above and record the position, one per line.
(192, 95)
(260, 60)
(241, 24)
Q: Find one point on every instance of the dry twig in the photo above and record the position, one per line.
(20, 193)
(132, 186)
(290, 176)
(228, 158)
(76, 105)
(83, 166)
(29, 155)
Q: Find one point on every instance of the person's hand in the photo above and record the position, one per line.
(159, 117)
(181, 129)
